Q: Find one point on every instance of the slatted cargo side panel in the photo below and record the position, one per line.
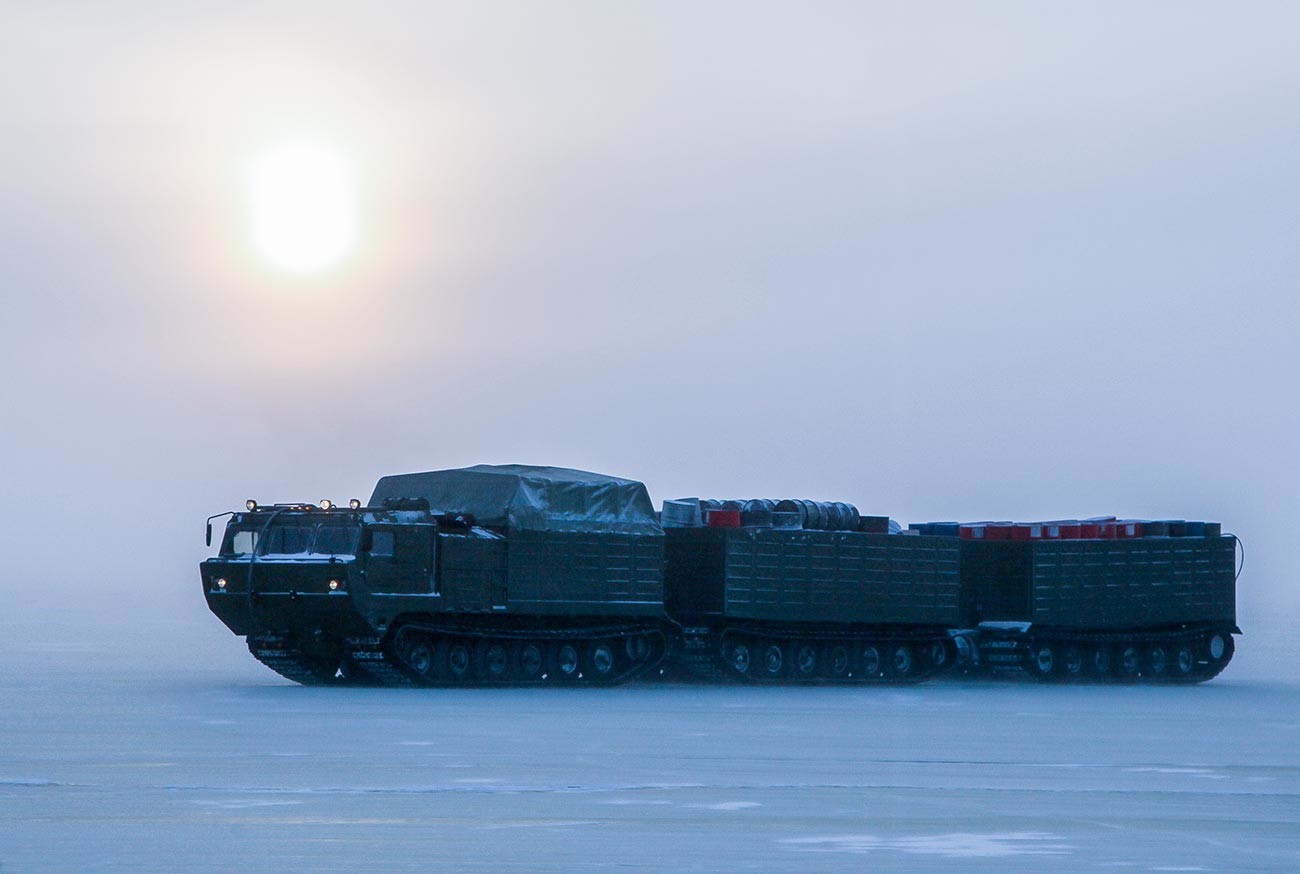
(1151, 582)
(837, 576)
(572, 572)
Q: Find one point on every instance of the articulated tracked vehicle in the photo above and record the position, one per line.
(533, 575)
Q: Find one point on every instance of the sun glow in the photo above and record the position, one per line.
(303, 210)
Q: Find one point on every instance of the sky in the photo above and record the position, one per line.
(1013, 260)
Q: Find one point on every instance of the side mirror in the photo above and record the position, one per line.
(209, 537)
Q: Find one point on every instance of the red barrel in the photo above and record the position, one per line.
(1062, 529)
(1127, 529)
(1027, 531)
(724, 518)
(1098, 527)
(997, 531)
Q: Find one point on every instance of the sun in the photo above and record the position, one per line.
(302, 204)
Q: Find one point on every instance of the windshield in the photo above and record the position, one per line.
(292, 537)
(240, 539)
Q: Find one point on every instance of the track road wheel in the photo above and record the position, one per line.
(1184, 661)
(1072, 662)
(739, 658)
(902, 661)
(1101, 661)
(1156, 662)
(457, 660)
(839, 661)
(566, 662)
(1129, 664)
(420, 655)
(1043, 660)
(937, 653)
(600, 659)
(871, 661)
(492, 660)
(773, 660)
(532, 661)
(805, 661)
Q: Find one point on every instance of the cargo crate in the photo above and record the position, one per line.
(1102, 584)
(814, 576)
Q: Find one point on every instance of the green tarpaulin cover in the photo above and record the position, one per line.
(522, 496)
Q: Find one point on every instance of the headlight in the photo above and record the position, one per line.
(335, 585)
(355, 504)
(221, 583)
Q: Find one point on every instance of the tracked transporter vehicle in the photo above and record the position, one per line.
(533, 575)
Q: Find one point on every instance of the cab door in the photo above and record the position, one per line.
(400, 559)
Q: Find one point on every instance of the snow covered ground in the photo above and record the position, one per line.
(207, 762)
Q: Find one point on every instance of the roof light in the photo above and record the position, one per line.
(251, 505)
(355, 503)
(326, 504)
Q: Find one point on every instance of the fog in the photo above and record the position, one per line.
(942, 261)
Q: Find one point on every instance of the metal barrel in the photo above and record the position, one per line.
(756, 513)
(682, 513)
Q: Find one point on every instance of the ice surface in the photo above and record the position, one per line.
(207, 762)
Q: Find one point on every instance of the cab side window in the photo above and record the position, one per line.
(381, 544)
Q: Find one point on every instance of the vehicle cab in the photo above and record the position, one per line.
(288, 567)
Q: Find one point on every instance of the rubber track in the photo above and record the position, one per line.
(382, 665)
(1205, 669)
(920, 641)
